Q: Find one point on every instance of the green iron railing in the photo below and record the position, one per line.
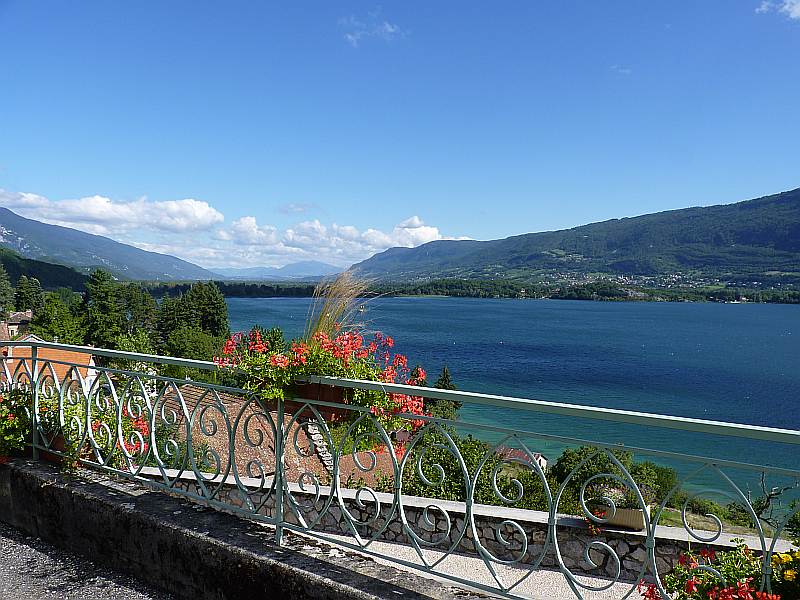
(426, 497)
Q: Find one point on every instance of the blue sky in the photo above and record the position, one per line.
(254, 133)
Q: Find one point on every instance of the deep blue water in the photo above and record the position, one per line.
(728, 362)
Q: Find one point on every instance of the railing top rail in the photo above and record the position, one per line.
(739, 430)
(118, 354)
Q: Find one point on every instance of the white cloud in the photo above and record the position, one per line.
(246, 231)
(195, 231)
(789, 8)
(374, 27)
(339, 244)
(764, 7)
(620, 70)
(102, 215)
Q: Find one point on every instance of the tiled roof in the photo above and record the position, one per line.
(300, 453)
(24, 316)
(14, 355)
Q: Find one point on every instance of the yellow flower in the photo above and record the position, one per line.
(789, 574)
(786, 558)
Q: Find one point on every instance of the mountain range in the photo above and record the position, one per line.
(752, 241)
(86, 252)
(307, 269)
(757, 239)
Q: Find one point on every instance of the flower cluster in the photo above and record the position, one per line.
(133, 427)
(591, 524)
(13, 421)
(693, 578)
(272, 369)
(786, 573)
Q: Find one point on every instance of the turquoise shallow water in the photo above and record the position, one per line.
(729, 362)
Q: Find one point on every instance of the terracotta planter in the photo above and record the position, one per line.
(323, 393)
(59, 445)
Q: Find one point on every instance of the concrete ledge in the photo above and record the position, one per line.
(187, 550)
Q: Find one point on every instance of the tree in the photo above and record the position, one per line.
(139, 309)
(444, 409)
(138, 341)
(207, 307)
(57, 322)
(598, 462)
(6, 293)
(170, 316)
(29, 295)
(104, 317)
(192, 342)
(444, 382)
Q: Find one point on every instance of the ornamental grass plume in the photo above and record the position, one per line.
(334, 305)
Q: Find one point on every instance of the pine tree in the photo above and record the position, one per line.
(105, 320)
(444, 382)
(444, 409)
(207, 307)
(29, 294)
(6, 293)
(56, 321)
(139, 309)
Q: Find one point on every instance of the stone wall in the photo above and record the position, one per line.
(430, 525)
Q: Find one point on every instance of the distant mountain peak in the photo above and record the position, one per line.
(305, 269)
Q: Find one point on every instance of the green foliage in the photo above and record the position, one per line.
(445, 382)
(443, 409)
(14, 422)
(29, 294)
(735, 513)
(51, 275)
(600, 290)
(6, 293)
(202, 308)
(786, 574)
(654, 481)
(206, 308)
(748, 240)
(137, 341)
(740, 569)
(139, 309)
(105, 319)
(140, 342)
(585, 462)
(192, 342)
(434, 451)
(238, 289)
(793, 525)
(274, 338)
(59, 320)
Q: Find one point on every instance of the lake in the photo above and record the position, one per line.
(728, 362)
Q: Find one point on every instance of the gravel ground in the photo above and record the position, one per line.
(539, 585)
(31, 569)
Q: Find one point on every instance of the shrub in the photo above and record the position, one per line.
(14, 421)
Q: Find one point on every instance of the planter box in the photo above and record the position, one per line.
(323, 393)
(628, 518)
